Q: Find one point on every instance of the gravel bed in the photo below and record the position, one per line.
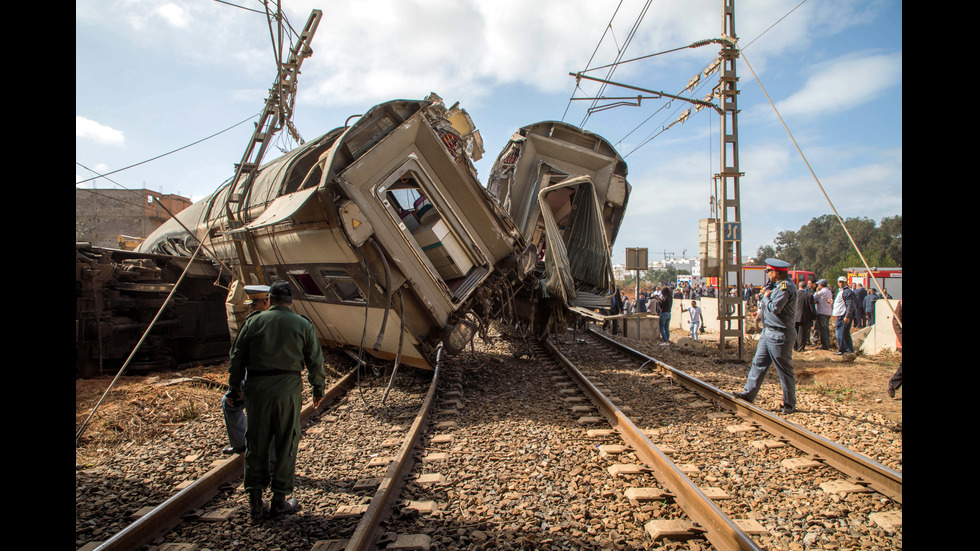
(521, 471)
(790, 503)
(334, 453)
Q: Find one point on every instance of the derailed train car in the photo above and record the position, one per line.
(119, 293)
(393, 246)
(566, 189)
(388, 239)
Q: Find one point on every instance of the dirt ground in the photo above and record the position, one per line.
(140, 406)
(861, 382)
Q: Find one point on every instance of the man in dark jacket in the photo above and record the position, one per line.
(806, 312)
(869, 306)
(845, 310)
(859, 294)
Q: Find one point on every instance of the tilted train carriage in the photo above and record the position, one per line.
(382, 228)
(566, 190)
(391, 243)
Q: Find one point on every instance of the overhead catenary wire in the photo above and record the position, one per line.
(594, 51)
(619, 55)
(695, 44)
(207, 250)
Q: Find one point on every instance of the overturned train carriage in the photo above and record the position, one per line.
(566, 190)
(119, 294)
(384, 232)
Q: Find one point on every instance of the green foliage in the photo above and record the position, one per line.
(822, 246)
(836, 393)
(662, 277)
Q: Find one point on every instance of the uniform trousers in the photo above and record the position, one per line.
(774, 347)
(896, 381)
(274, 404)
(235, 424)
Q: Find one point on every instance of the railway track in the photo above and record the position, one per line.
(504, 452)
(716, 434)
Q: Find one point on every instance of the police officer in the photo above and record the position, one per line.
(269, 355)
(234, 409)
(777, 307)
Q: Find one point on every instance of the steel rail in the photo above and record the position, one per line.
(723, 532)
(164, 517)
(369, 528)
(864, 470)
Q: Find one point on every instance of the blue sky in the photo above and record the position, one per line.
(154, 76)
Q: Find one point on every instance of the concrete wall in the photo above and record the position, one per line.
(882, 334)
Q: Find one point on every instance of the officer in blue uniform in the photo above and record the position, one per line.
(777, 307)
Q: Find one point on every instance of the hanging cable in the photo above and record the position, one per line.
(388, 293)
(607, 29)
(612, 68)
(401, 339)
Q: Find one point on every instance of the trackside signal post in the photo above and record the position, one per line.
(730, 309)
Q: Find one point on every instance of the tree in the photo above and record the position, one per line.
(822, 245)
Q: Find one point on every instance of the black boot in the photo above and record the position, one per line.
(282, 506)
(257, 504)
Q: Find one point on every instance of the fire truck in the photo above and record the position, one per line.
(756, 277)
(889, 279)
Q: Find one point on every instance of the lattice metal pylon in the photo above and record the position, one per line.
(730, 309)
(276, 114)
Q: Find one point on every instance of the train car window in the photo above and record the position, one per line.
(306, 283)
(407, 200)
(341, 285)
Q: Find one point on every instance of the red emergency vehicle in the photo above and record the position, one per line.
(756, 277)
(889, 278)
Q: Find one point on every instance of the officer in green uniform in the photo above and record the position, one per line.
(269, 354)
(778, 310)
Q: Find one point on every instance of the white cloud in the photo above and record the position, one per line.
(844, 83)
(174, 14)
(99, 133)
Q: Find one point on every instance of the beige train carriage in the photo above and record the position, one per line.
(381, 227)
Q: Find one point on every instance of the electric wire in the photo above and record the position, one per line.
(695, 44)
(622, 51)
(169, 152)
(594, 51)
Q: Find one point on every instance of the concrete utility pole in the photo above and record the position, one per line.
(730, 309)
